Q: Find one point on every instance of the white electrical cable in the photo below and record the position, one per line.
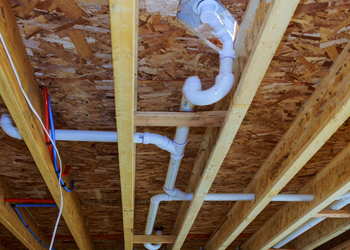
(46, 132)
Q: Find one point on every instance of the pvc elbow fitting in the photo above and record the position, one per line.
(151, 246)
(8, 127)
(192, 89)
(207, 10)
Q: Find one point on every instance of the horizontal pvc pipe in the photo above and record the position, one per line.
(336, 205)
(14, 200)
(93, 136)
(34, 205)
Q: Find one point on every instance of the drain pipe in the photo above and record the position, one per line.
(224, 29)
(336, 205)
(160, 141)
(180, 142)
(155, 200)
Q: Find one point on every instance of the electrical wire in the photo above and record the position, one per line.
(30, 230)
(46, 132)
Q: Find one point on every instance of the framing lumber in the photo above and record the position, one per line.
(124, 30)
(28, 124)
(154, 238)
(321, 233)
(328, 185)
(333, 214)
(317, 120)
(270, 23)
(10, 219)
(344, 246)
(174, 119)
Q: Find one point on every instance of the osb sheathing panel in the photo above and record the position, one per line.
(81, 90)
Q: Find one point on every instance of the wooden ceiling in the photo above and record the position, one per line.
(70, 50)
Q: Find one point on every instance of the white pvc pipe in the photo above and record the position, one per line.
(224, 30)
(180, 142)
(336, 205)
(155, 200)
(93, 136)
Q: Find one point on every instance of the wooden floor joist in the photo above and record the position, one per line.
(328, 185)
(10, 219)
(343, 246)
(29, 125)
(174, 119)
(267, 30)
(324, 112)
(124, 31)
(333, 214)
(321, 233)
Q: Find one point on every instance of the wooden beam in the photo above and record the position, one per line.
(321, 233)
(154, 238)
(333, 214)
(329, 184)
(174, 119)
(28, 124)
(317, 120)
(10, 219)
(270, 23)
(124, 30)
(344, 246)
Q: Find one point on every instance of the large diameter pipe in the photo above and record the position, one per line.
(180, 142)
(336, 205)
(224, 30)
(160, 141)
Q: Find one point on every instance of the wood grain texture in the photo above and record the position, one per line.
(174, 119)
(319, 118)
(10, 219)
(72, 10)
(321, 233)
(333, 214)
(154, 238)
(344, 246)
(124, 30)
(28, 124)
(332, 182)
(270, 23)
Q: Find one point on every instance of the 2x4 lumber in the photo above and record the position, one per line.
(344, 246)
(324, 112)
(321, 233)
(124, 31)
(10, 219)
(334, 179)
(29, 125)
(174, 119)
(154, 238)
(317, 120)
(270, 23)
(333, 214)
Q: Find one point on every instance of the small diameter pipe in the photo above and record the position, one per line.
(155, 200)
(336, 205)
(33, 205)
(14, 200)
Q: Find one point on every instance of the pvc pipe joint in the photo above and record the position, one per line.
(193, 89)
(8, 128)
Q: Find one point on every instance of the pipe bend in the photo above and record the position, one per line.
(8, 127)
(159, 197)
(151, 246)
(194, 93)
